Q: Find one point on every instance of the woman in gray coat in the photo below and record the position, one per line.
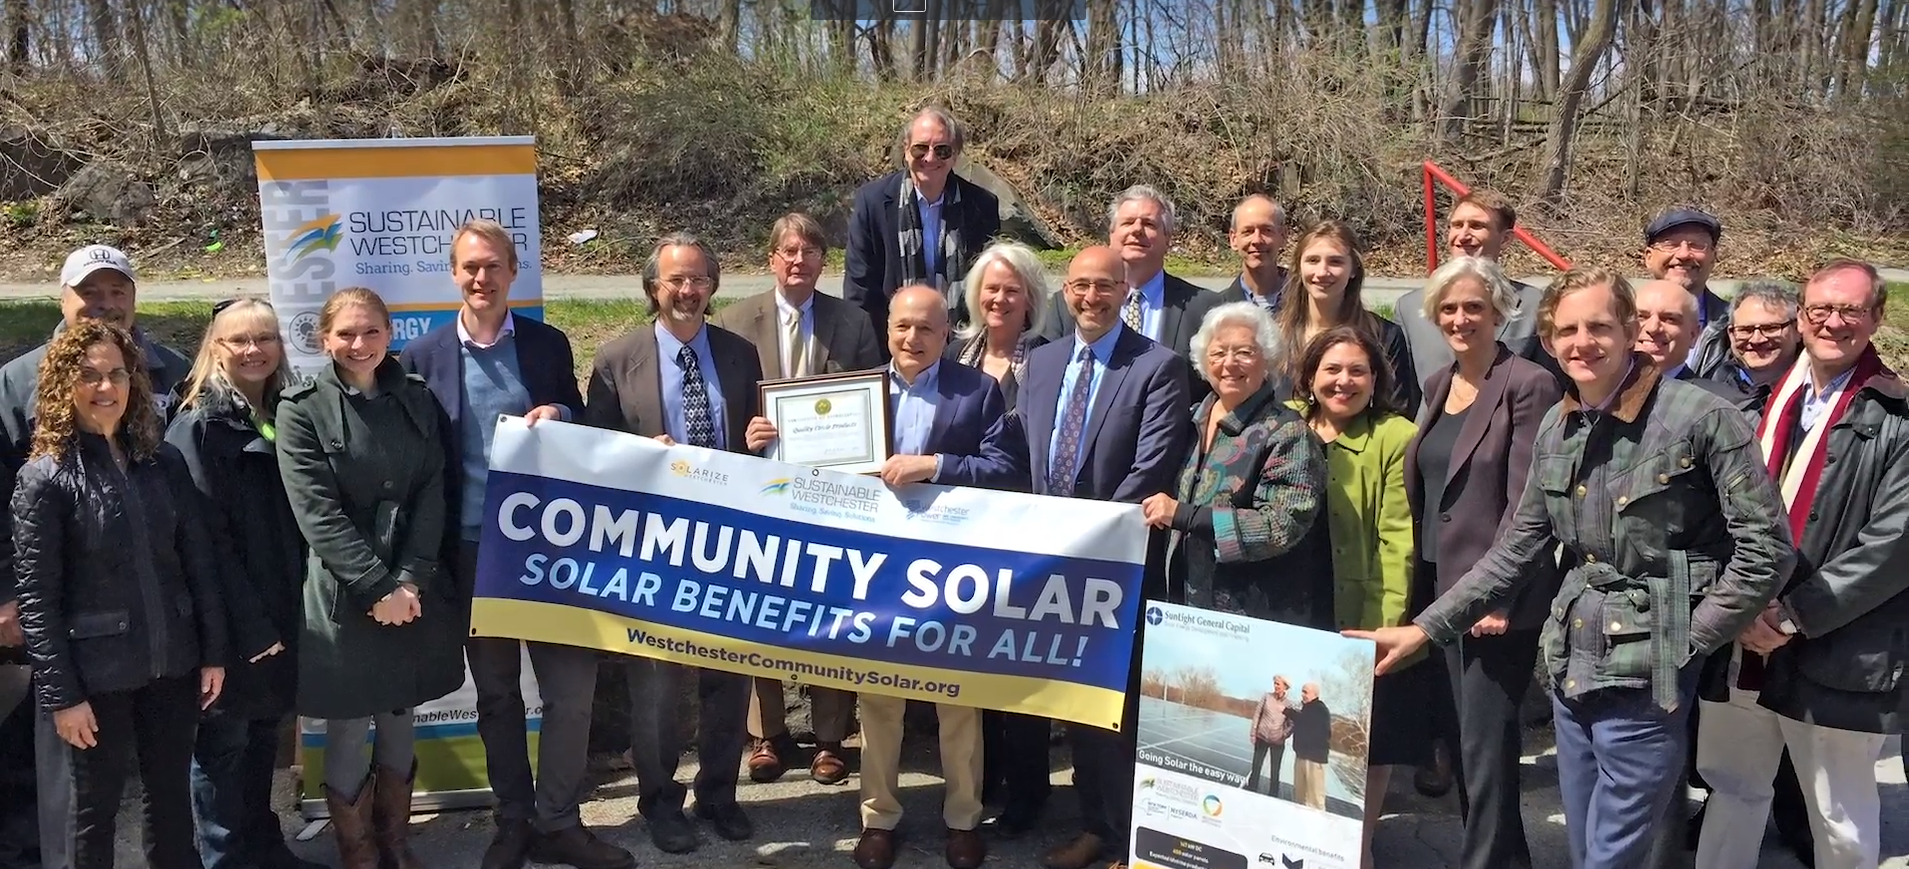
(363, 465)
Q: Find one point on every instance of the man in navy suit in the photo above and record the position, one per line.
(951, 427)
(1106, 418)
(484, 364)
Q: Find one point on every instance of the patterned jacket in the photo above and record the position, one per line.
(1250, 535)
(1674, 537)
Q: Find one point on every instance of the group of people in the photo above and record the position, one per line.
(1306, 723)
(1599, 476)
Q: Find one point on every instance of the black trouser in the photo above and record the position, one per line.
(153, 727)
(1489, 676)
(19, 821)
(1014, 753)
(656, 732)
(1261, 750)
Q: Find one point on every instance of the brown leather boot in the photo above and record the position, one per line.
(391, 818)
(351, 826)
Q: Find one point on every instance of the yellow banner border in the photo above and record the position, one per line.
(541, 622)
(417, 161)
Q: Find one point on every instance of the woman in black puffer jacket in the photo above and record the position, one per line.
(223, 428)
(119, 601)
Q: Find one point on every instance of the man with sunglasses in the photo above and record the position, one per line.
(96, 283)
(1680, 245)
(1821, 671)
(921, 225)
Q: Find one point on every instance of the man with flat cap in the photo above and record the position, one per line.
(1680, 245)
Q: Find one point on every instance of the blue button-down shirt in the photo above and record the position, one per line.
(672, 381)
(913, 406)
(1103, 350)
(930, 230)
(1153, 301)
(1815, 404)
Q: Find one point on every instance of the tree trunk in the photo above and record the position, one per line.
(1545, 41)
(1474, 52)
(105, 26)
(1100, 69)
(18, 35)
(144, 56)
(1586, 55)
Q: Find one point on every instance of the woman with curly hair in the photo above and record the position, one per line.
(224, 430)
(120, 603)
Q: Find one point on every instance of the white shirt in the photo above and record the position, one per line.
(464, 335)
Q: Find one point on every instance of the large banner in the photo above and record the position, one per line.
(381, 213)
(451, 772)
(990, 599)
(1252, 744)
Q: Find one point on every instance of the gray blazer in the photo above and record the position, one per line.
(626, 393)
(844, 338)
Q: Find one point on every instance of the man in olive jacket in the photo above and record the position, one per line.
(1821, 671)
(681, 380)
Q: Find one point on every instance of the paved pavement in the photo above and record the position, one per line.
(802, 825)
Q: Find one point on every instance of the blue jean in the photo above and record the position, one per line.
(232, 792)
(1619, 759)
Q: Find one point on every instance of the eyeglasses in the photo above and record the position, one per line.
(1106, 288)
(700, 282)
(1852, 314)
(1698, 246)
(807, 251)
(941, 151)
(1761, 330)
(118, 376)
(240, 342)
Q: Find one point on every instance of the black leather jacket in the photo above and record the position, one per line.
(117, 584)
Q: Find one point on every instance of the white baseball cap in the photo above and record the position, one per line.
(92, 258)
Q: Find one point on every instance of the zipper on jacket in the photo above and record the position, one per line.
(157, 606)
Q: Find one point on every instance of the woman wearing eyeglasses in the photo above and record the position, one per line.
(120, 604)
(224, 430)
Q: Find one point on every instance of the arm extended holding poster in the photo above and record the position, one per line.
(835, 421)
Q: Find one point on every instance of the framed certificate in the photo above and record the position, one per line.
(834, 421)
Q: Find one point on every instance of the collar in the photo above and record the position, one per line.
(1246, 292)
(668, 345)
(1674, 372)
(464, 335)
(1835, 383)
(1356, 435)
(1103, 347)
(784, 309)
(1155, 289)
(1247, 411)
(1628, 401)
(925, 380)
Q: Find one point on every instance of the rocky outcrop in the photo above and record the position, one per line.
(31, 164)
(108, 191)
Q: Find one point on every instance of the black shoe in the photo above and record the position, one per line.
(577, 846)
(728, 819)
(283, 858)
(1016, 821)
(672, 832)
(509, 846)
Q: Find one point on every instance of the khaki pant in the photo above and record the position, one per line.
(1309, 783)
(881, 761)
(831, 711)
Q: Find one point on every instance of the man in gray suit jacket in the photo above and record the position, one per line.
(681, 381)
(799, 332)
(1106, 418)
(1479, 225)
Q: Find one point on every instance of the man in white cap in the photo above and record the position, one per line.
(95, 284)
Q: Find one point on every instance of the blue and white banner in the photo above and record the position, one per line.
(991, 599)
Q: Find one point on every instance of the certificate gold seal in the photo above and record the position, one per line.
(822, 407)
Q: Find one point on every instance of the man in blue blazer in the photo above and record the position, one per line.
(484, 364)
(1106, 417)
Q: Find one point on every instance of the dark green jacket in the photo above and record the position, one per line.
(1674, 537)
(365, 478)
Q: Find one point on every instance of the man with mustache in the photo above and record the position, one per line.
(1106, 416)
(1820, 671)
(1258, 235)
(800, 332)
(1680, 245)
(681, 380)
(1479, 225)
(921, 225)
(96, 283)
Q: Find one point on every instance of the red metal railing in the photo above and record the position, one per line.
(1434, 240)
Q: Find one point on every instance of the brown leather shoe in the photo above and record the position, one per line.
(351, 825)
(1078, 854)
(827, 767)
(965, 850)
(876, 850)
(765, 763)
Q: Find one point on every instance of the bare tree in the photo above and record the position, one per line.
(1586, 55)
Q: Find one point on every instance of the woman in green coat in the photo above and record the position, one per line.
(363, 465)
(1346, 392)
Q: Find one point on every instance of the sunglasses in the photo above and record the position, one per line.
(941, 151)
(221, 306)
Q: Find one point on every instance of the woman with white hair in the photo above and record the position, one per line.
(1464, 471)
(1247, 515)
(1006, 292)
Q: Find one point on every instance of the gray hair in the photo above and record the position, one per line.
(652, 267)
(1026, 266)
(1169, 217)
(1279, 211)
(1265, 334)
(1781, 295)
(1504, 299)
(957, 134)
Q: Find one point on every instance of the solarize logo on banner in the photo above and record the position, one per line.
(383, 214)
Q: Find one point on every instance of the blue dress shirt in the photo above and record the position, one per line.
(671, 375)
(1103, 350)
(1153, 301)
